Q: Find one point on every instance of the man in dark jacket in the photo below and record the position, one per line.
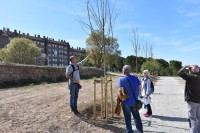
(192, 95)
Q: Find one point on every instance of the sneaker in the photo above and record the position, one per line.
(145, 114)
(148, 115)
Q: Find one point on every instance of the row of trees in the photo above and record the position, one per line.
(24, 51)
(155, 66)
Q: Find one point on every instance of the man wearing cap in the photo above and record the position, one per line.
(72, 73)
(192, 95)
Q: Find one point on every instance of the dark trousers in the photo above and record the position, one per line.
(128, 110)
(149, 111)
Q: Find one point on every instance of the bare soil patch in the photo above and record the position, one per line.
(45, 108)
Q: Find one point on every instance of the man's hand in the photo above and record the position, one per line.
(146, 96)
(74, 81)
(89, 55)
(185, 67)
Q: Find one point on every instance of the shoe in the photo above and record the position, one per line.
(145, 114)
(72, 111)
(148, 115)
(76, 112)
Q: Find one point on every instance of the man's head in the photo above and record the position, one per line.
(126, 69)
(73, 59)
(194, 69)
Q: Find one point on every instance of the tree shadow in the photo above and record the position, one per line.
(167, 118)
(112, 124)
(154, 124)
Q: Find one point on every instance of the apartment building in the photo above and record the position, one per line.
(55, 53)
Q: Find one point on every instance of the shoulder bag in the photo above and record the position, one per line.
(138, 102)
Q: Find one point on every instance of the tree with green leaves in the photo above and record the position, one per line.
(175, 66)
(95, 42)
(152, 65)
(130, 60)
(88, 63)
(120, 63)
(163, 63)
(20, 50)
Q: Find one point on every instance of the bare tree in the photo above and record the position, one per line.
(146, 50)
(136, 43)
(101, 17)
(151, 51)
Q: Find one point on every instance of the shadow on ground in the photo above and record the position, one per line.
(112, 124)
(167, 118)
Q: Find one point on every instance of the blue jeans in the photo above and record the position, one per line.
(74, 90)
(128, 109)
(194, 116)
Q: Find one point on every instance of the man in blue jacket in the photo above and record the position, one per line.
(129, 106)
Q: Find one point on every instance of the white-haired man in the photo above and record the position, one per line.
(192, 95)
(130, 84)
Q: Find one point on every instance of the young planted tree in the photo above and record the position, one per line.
(101, 16)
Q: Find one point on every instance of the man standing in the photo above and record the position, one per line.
(72, 73)
(129, 106)
(192, 95)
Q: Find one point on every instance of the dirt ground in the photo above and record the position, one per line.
(45, 108)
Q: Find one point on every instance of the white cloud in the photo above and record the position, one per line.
(186, 45)
(123, 26)
(146, 34)
(76, 12)
(191, 48)
(189, 8)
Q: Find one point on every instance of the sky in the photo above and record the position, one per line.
(172, 27)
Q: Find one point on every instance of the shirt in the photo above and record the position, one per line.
(76, 74)
(135, 82)
(146, 86)
(192, 86)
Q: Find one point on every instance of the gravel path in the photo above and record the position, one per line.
(44, 108)
(169, 108)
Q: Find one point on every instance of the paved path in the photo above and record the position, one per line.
(169, 108)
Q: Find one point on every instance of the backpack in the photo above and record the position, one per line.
(72, 73)
(152, 87)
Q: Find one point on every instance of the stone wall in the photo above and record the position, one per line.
(17, 73)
